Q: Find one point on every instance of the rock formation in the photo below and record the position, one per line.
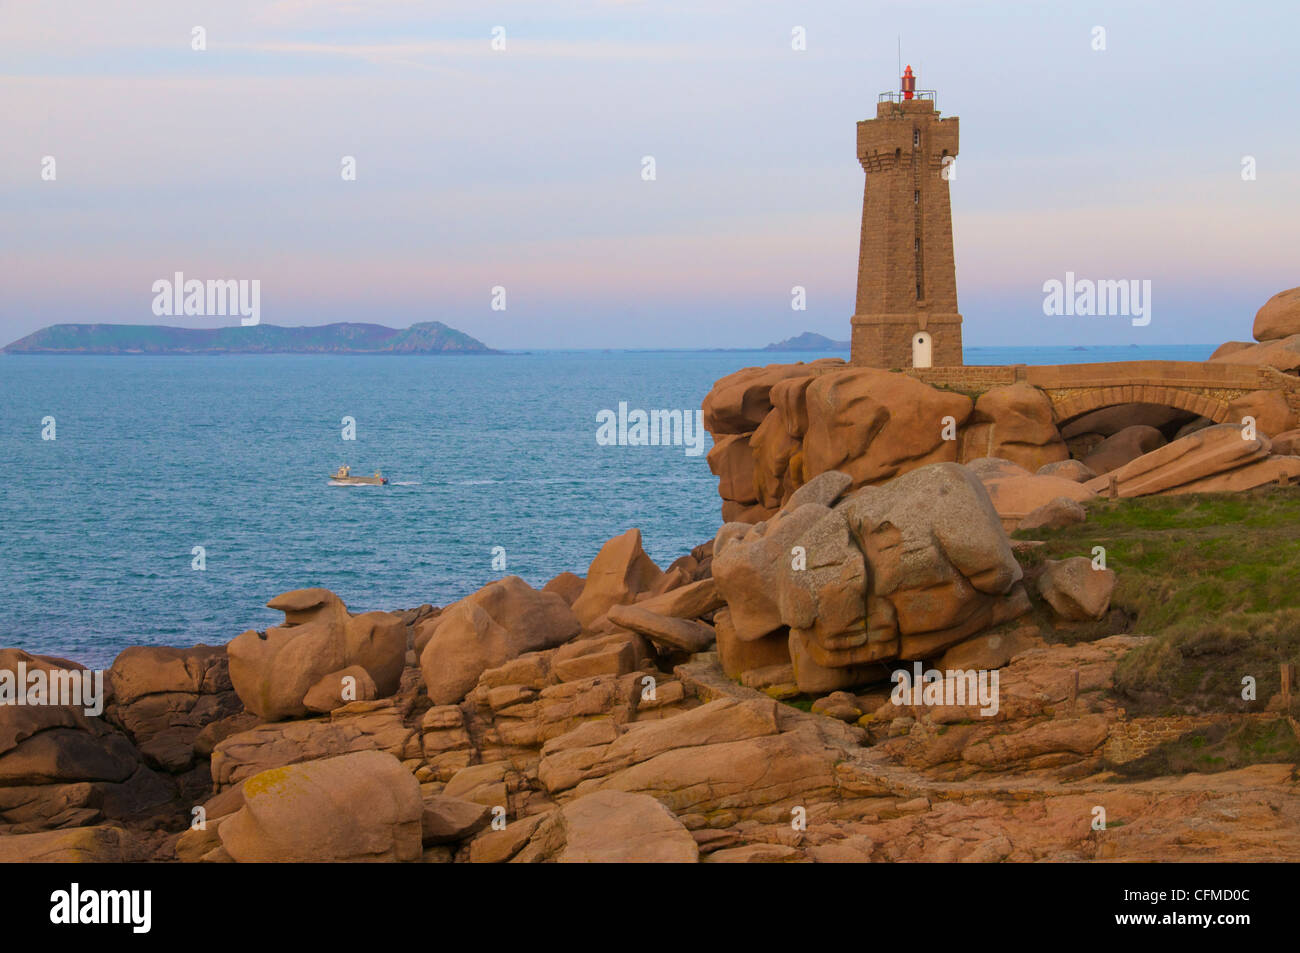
(273, 671)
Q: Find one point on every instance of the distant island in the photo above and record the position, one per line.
(808, 341)
(425, 337)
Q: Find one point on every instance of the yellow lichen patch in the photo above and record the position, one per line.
(266, 781)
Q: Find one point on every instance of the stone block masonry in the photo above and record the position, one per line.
(906, 311)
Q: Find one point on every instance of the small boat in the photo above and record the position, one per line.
(344, 475)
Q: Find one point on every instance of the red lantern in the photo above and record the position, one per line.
(909, 83)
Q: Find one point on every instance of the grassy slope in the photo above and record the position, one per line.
(1215, 579)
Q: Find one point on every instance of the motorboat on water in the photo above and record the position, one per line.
(344, 475)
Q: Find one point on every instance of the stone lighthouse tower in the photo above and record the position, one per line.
(906, 313)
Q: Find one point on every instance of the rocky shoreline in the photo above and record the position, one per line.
(642, 714)
(872, 660)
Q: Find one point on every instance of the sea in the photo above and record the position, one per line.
(150, 500)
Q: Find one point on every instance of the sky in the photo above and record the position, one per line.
(523, 168)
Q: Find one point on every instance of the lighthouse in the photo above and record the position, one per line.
(906, 312)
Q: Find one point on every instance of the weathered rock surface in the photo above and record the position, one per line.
(1015, 492)
(85, 845)
(683, 635)
(1075, 590)
(1205, 453)
(738, 656)
(902, 570)
(361, 726)
(448, 820)
(1055, 514)
(1067, 469)
(739, 402)
(567, 585)
(874, 425)
(731, 460)
(747, 570)
(362, 806)
(1279, 317)
(164, 697)
(351, 684)
(1281, 353)
(610, 827)
(1014, 422)
(620, 572)
(502, 620)
(272, 671)
(62, 767)
(1123, 447)
(1268, 408)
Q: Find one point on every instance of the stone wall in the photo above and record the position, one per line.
(1132, 738)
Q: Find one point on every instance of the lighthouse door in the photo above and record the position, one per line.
(921, 349)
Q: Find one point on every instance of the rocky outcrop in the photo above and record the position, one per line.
(164, 697)
(620, 572)
(357, 807)
(874, 425)
(1014, 423)
(1076, 590)
(1015, 492)
(1281, 353)
(590, 751)
(361, 726)
(273, 671)
(1214, 459)
(776, 428)
(82, 845)
(899, 570)
(1269, 410)
(499, 622)
(1123, 447)
(747, 570)
(607, 827)
(1279, 317)
(61, 766)
(739, 402)
(1055, 514)
(1069, 470)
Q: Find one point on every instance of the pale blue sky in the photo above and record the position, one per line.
(521, 168)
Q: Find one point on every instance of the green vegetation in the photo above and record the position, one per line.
(1214, 578)
(1221, 747)
(802, 702)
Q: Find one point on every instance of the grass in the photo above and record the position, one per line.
(1213, 578)
(802, 702)
(1220, 747)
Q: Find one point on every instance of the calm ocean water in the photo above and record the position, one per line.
(154, 456)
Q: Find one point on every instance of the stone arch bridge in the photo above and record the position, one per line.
(1202, 388)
